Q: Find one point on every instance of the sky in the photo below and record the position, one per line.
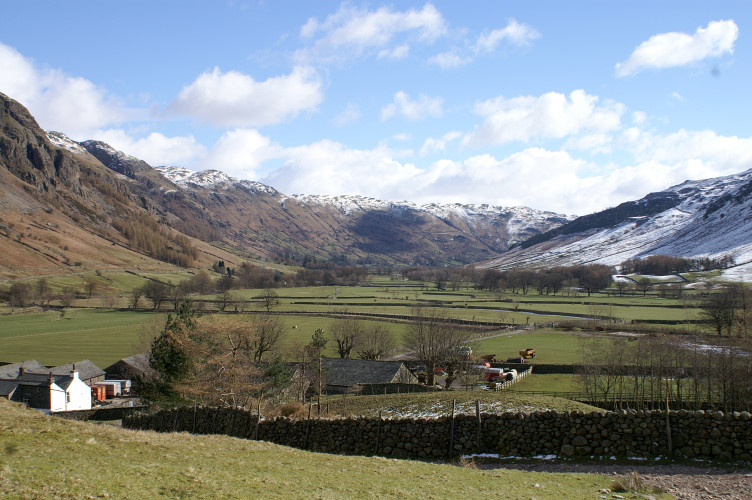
(571, 107)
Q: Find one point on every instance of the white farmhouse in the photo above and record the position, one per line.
(49, 392)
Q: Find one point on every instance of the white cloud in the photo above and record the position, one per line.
(552, 115)
(351, 31)
(234, 99)
(667, 50)
(413, 110)
(399, 52)
(58, 101)
(329, 167)
(449, 60)
(516, 33)
(239, 153)
(155, 149)
(349, 115)
(433, 145)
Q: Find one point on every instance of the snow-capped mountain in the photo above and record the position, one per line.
(519, 223)
(711, 217)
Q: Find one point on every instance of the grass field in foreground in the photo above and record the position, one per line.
(46, 457)
(439, 403)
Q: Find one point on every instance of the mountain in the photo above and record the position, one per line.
(357, 229)
(66, 205)
(706, 218)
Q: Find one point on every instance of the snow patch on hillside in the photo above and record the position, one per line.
(63, 141)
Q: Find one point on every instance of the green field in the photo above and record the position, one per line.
(551, 346)
(102, 336)
(439, 403)
(47, 457)
(106, 335)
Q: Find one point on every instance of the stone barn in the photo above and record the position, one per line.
(346, 375)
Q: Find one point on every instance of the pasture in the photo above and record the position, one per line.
(151, 465)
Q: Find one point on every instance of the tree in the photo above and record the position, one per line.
(376, 343)
(720, 309)
(136, 295)
(432, 339)
(224, 300)
(156, 292)
(67, 296)
(169, 356)
(90, 285)
(347, 333)
(269, 299)
(43, 293)
(644, 284)
(315, 347)
(19, 294)
(268, 332)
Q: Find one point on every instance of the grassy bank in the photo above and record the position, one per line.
(44, 457)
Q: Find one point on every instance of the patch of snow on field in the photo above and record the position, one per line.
(443, 409)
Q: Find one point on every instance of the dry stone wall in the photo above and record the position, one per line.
(694, 434)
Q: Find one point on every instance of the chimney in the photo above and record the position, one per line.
(21, 370)
(74, 372)
(50, 378)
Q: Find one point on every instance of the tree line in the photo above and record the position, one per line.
(661, 265)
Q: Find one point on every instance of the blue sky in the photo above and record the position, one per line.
(565, 106)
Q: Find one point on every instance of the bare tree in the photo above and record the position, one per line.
(376, 343)
(268, 332)
(347, 333)
(269, 299)
(432, 339)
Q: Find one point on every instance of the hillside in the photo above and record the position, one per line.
(96, 198)
(45, 457)
(62, 210)
(711, 217)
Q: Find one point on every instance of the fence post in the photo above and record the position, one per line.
(308, 425)
(477, 414)
(451, 431)
(378, 435)
(194, 418)
(258, 422)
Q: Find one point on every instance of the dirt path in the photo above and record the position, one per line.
(682, 481)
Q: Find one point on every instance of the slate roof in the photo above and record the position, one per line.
(86, 370)
(138, 364)
(350, 372)
(10, 371)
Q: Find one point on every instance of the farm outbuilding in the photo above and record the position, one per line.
(345, 375)
(130, 367)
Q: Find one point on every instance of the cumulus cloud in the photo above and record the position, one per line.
(351, 32)
(239, 153)
(552, 115)
(423, 107)
(234, 99)
(58, 101)
(450, 59)
(514, 32)
(349, 115)
(667, 50)
(434, 145)
(399, 52)
(155, 149)
(329, 167)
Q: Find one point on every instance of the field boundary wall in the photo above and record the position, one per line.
(646, 434)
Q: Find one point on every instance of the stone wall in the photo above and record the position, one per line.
(708, 435)
(99, 413)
